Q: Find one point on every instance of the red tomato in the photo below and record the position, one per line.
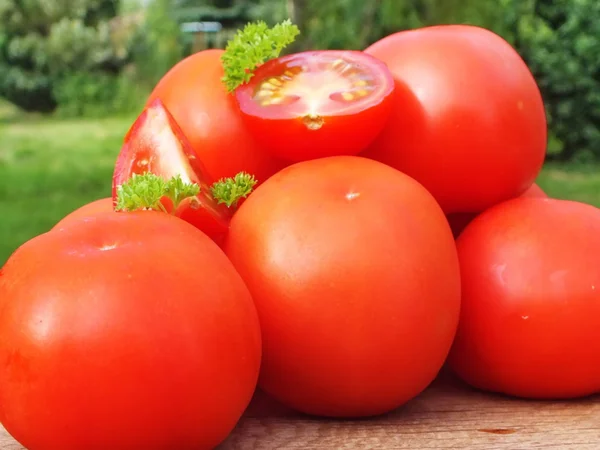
(316, 104)
(124, 331)
(88, 210)
(530, 318)
(193, 92)
(354, 272)
(155, 143)
(459, 221)
(468, 123)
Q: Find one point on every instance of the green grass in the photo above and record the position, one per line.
(49, 167)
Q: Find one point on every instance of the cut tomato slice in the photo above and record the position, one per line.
(316, 104)
(156, 144)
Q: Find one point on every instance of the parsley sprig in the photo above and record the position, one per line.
(251, 46)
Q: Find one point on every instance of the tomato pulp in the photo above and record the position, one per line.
(353, 268)
(124, 331)
(530, 316)
(316, 104)
(156, 144)
(210, 118)
(468, 119)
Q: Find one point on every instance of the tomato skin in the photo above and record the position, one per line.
(348, 289)
(342, 133)
(459, 221)
(124, 331)
(531, 300)
(89, 209)
(209, 116)
(469, 121)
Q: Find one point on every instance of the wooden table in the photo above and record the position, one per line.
(448, 415)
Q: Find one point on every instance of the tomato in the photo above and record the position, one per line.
(209, 116)
(354, 272)
(316, 104)
(124, 331)
(459, 221)
(530, 319)
(468, 120)
(90, 209)
(155, 143)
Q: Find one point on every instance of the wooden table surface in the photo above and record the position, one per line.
(448, 415)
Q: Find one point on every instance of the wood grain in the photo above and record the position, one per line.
(448, 415)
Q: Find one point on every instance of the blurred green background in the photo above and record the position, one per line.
(74, 74)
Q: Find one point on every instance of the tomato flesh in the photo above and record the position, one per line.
(316, 104)
(156, 144)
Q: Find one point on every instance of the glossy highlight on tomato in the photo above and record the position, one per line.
(317, 104)
(89, 209)
(156, 144)
(210, 118)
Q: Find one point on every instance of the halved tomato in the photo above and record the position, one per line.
(316, 104)
(156, 144)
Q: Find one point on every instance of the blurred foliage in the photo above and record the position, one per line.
(158, 43)
(43, 42)
(95, 56)
(560, 40)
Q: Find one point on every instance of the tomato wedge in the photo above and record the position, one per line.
(316, 104)
(156, 144)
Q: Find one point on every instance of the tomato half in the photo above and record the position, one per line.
(468, 119)
(124, 331)
(354, 272)
(530, 319)
(316, 104)
(155, 143)
(210, 118)
(459, 221)
(90, 209)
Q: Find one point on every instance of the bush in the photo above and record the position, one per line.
(44, 42)
(560, 40)
(97, 94)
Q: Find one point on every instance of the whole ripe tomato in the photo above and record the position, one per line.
(124, 331)
(315, 104)
(468, 122)
(210, 118)
(89, 209)
(530, 319)
(459, 221)
(354, 272)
